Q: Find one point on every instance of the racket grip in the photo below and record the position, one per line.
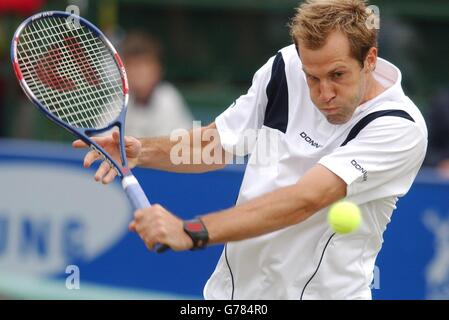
(139, 201)
(135, 193)
(161, 247)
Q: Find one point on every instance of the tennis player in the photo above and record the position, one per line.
(340, 126)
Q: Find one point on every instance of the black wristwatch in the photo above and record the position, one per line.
(197, 231)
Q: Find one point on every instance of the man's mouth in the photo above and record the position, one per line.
(329, 110)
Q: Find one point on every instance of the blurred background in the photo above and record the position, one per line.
(211, 48)
(205, 53)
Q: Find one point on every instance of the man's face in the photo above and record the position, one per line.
(336, 81)
(144, 73)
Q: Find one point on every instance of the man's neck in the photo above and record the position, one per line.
(375, 88)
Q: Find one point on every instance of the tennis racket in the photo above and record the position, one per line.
(73, 74)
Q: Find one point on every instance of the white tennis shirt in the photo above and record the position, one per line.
(377, 153)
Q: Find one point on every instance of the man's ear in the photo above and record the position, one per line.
(371, 59)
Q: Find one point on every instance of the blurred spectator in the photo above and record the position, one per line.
(438, 122)
(155, 107)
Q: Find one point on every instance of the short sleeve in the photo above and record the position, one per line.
(238, 125)
(381, 161)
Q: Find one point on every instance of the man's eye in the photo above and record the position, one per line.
(312, 78)
(338, 75)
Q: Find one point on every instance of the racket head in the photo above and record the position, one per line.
(74, 75)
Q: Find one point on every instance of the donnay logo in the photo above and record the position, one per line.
(437, 271)
(360, 168)
(310, 141)
(51, 215)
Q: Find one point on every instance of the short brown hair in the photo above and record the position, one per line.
(316, 19)
(139, 43)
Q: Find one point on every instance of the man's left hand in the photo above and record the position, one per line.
(156, 225)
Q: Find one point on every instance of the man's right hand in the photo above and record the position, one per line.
(105, 173)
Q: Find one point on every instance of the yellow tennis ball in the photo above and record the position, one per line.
(344, 217)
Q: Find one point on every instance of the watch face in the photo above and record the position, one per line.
(197, 231)
(194, 226)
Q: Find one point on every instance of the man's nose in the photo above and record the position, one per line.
(327, 93)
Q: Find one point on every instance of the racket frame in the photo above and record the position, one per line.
(129, 183)
(83, 133)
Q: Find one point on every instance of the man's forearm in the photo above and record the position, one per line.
(278, 209)
(183, 153)
(155, 153)
(268, 213)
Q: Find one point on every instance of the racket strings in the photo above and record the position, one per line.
(72, 114)
(89, 96)
(71, 72)
(61, 82)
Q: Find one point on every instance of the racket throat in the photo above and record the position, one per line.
(108, 161)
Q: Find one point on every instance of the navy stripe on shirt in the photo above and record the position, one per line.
(372, 116)
(276, 113)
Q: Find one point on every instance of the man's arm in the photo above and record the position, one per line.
(284, 207)
(198, 150)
